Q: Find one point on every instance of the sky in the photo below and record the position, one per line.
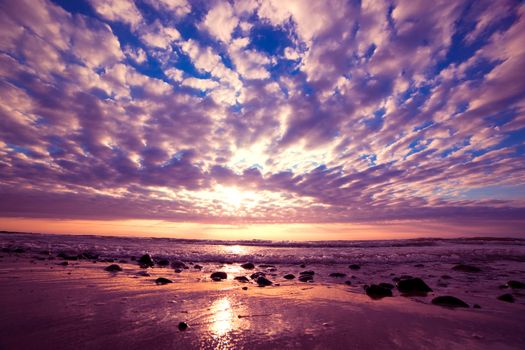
(278, 118)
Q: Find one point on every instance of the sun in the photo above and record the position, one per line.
(232, 196)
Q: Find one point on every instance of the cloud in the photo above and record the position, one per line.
(327, 111)
(220, 21)
(118, 10)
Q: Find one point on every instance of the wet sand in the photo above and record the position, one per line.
(80, 306)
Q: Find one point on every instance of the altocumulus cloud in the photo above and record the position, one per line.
(262, 111)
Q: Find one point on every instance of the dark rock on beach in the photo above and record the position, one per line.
(289, 276)
(377, 292)
(449, 301)
(348, 283)
(218, 276)
(256, 275)
(506, 297)
(66, 256)
(162, 281)
(311, 273)
(182, 326)
(177, 264)
(466, 268)
(64, 263)
(302, 266)
(354, 267)
(413, 286)
(306, 278)
(143, 274)
(163, 262)
(263, 281)
(338, 274)
(198, 267)
(146, 261)
(242, 279)
(248, 266)
(386, 285)
(113, 268)
(516, 284)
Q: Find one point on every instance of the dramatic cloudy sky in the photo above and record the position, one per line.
(263, 112)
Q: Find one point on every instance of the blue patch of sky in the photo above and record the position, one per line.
(503, 192)
(502, 117)
(370, 158)
(455, 148)
(19, 149)
(77, 6)
(416, 146)
(460, 49)
(269, 39)
(375, 122)
(423, 125)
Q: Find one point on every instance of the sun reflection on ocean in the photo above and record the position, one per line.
(235, 249)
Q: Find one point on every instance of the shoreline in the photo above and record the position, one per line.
(47, 305)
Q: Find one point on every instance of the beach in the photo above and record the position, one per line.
(62, 297)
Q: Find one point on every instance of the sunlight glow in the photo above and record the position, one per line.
(223, 317)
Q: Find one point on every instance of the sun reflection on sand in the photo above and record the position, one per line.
(224, 323)
(223, 316)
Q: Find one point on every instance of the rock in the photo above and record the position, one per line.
(311, 273)
(386, 285)
(446, 277)
(162, 281)
(244, 288)
(248, 266)
(306, 278)
(242, 279)
(265, 266)
(177, 264)
(378, 292)
(302, 266)
(506, 297)
(113, 268)
(449, 301)
(419, 265)
(163, 262)
(348, 283)
(67, 256)
(516, 285)
(146, 261)
(289, 276)
(256, 275)
(466, 268)
(177, 270)
(90, 255)
(413, 286)
(476, 306)
(354, 267)
(198, 267)
(64, 263)
(143, 274)
(182, 326)
(219, 275)
(18, 250)
(263, 281)
(338, 274)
